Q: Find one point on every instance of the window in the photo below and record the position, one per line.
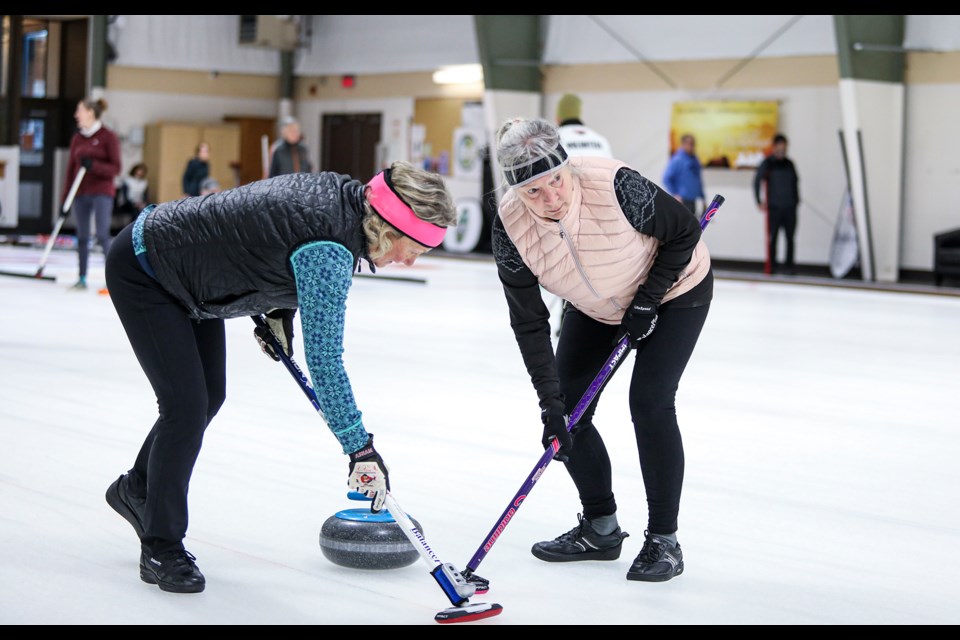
(34, 69)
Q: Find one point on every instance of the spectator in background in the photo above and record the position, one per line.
(683, 177)
(132, 194)
(577, 138)
(209, 185)
(97, 149)
(782, 188)
(198, 170)
(289, 153)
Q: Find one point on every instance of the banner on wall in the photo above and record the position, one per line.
(729, 134)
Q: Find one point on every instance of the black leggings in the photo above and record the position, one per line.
(185, 361)
(584, 347)
(782, 219)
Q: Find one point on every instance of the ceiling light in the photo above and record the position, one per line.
(459, 74)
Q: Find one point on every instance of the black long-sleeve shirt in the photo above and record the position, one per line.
(783, 183)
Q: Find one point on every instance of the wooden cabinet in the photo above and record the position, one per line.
(168, 146)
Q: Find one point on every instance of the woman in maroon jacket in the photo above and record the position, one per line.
(96, 148)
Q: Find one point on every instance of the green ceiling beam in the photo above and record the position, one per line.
(871, 47)
(510, 51)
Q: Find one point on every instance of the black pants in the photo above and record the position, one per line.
(584, 346)
(782, 219)
(185, 362)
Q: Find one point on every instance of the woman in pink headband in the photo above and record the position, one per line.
(267, 248)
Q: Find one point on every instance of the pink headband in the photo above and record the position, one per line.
(401, 217)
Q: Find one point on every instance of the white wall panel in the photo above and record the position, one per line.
(941, 33)
(580, 40)
(387, 44)
(201, 43)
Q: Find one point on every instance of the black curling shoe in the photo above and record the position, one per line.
(174, 571)
(581, 543)
(659, 560)
(128, 505)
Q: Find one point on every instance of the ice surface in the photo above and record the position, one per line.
(820, 428)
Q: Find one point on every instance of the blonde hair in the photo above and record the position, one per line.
(426, 194)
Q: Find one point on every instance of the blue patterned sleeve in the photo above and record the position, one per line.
(324, 272)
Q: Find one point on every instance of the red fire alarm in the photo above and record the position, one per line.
(347, 82)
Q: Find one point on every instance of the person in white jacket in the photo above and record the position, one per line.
(577, 138)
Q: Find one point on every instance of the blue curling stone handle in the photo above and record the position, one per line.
(364, 515)
(356, 495)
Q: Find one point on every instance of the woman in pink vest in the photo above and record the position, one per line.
(627, 258)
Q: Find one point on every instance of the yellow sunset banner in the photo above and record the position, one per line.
(729, 134)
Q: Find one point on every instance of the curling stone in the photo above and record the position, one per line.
(361, 539)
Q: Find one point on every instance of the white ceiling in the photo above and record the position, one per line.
(365, 44)
(600, 39)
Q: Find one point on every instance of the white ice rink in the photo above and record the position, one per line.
(822, 480)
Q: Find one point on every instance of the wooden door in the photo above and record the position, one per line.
(349, 144)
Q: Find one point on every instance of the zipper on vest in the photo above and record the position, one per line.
(576, 260)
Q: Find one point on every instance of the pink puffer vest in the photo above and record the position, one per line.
(592, 257)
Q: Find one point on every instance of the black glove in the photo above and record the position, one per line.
(280, 324)
(638, 322)
(86, 162)
(369, 475)
(555, 426)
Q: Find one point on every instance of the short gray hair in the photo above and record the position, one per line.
(521, 141)
(427, 195)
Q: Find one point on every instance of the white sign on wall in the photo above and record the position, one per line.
(9, 185)
(466, 153)
(465, 236)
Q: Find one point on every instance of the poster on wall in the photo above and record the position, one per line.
(729, 134)
(465, 236)
(9, 185)
(466, 153)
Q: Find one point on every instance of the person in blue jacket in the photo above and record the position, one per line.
(268, 248)
(683, 177)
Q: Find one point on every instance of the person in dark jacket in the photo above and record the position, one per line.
(629, 261)
(97, 149)
(269, 248)
(290, 154)
(197, 170)
(776, 179)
